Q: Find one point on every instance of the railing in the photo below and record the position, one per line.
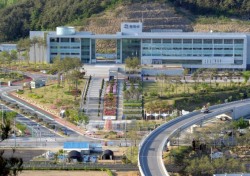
(178, 119)
(84, 92)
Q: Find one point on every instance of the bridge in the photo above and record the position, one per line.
(151, 147)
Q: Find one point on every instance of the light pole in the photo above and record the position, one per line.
(15, 130)
(2, 114)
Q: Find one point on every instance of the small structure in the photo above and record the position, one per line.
(8, 47)
(95, 147)
(37, 83)
(75, 155)
(108, 125)
(81, 147)
(108, 155)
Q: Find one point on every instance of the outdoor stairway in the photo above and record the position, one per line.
(92, 101)
(120, 99)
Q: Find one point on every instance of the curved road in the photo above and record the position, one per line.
(150, 154)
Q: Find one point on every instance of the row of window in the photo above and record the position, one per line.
(192, 55)
(73, 40)
(188, 48)
(65, 53)
(65, 47)
(195, 41)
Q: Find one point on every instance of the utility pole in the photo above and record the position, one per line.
(15, 130)
(2, 114)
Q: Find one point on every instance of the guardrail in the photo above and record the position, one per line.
(178, 119)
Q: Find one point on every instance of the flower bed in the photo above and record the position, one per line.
(110, 101)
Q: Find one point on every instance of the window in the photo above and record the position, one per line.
(64, 39)
(146, 41)
(218, 41)
(54, 39)
(197, 41)
(207, 41)
(189, 41)
(156, 40)
(228, 41)
(75, 40)
(238, 41)
(177, 41)
(167, 41)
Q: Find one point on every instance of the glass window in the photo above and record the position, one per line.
(199, 41)
(75, 40)
(166, 41)
(228, 41)
(54, 39)
(64, 39)
(207, 41)
(187, 41)
(146, 41)
(176, 40)
(238, 41)
(156, 40)
(217, 41)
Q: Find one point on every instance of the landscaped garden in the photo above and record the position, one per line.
(54, 97)
(132, 102)
(169, 93)
(110, 100)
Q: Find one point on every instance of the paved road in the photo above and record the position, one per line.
(150, 154)
(35, 129)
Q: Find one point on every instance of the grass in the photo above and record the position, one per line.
(54, 96)
(172, 93)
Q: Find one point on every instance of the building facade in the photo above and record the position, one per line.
(7, 47)
(189, 49)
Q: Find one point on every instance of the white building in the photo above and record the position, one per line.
(189, 49)
(7, 47)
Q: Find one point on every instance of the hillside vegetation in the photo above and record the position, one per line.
(105, 16)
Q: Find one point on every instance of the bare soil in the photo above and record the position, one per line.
(63, 173)
(75, 173)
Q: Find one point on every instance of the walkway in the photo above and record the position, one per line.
(120, 99)
(91, 106)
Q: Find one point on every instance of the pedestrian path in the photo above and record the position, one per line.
(120, 99)
(94, 106)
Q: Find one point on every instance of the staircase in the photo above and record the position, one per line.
(92, 102)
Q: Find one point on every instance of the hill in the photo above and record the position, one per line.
(105, 16)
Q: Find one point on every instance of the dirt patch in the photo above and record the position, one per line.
(132, 173)
(75, 173)
(64, 173)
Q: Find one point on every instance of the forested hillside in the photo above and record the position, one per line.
(18, 17)
(236, 8)
(4, 3)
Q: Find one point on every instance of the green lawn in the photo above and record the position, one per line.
(171, 92)
(54, 96)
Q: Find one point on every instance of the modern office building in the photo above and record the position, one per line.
(7, 47)
(188, 49)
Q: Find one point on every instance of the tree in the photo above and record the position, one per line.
(126, 95)
(34, 42)
(41, 44)
(12, 165)
(185, 73)
(74, 76)
(246, 76)
(132, 63)
(62, 66)
(161, 80)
